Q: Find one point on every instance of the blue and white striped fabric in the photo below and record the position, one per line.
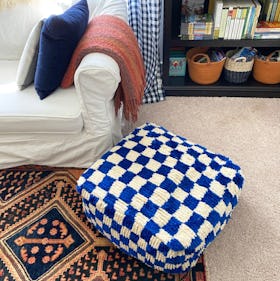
(145, 18)
(160, 198)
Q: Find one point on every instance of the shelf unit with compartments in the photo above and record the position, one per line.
(183, 86)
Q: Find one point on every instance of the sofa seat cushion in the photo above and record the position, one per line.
(23, 111)
(160, 198)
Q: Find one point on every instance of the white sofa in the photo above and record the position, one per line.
(71, 127)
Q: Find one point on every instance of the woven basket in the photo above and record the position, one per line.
(237, 70)
(197, 50)
(203, 73)
(266, 71)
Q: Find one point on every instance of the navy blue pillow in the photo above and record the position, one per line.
(59, 37)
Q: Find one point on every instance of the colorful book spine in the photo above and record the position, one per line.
(240, 23)
(218, 7)
(196, 26)
(247, 20)
(250, 22)
(223, 23)
(257, 16)
(262, 14)
(277, 13)
(228, 21)
(236, 24)
(232, 23)
(278, 19)
(244, 15)
(273, 10)
(267, 9)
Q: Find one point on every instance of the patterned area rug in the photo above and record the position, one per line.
(45, 236)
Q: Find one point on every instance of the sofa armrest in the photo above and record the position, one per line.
(96, 81)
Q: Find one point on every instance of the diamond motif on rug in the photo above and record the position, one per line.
(44, 234)
(44, 243)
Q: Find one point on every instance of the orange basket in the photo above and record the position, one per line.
(193, 51)
(203, 73)
(266, 71)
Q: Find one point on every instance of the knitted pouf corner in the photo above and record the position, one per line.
(160, 198)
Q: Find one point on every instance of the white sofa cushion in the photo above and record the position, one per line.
(23, 111)
(107, 7)
(17, 18)
(28, 60)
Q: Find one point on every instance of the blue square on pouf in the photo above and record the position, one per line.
(160, 198)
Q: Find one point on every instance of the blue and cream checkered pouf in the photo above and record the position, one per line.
(160, 198)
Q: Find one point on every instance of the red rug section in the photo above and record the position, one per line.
(44, 234)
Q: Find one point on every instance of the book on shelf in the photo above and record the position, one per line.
(252, 14)
(277, 12)
(267, 26)
(217, 15)
(267, 8)
(240, 14)
(262, 4)
(246, 32)
(258, 7)
(211, 4)
(196, 27)
(273, 10)
(267, 30)
(236, 19)
(245, 12)
(230, 19)
(230, 22)
(267, 35)
(223, 23)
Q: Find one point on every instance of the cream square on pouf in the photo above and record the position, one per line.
(160, 198)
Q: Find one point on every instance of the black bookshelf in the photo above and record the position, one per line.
(183, 86)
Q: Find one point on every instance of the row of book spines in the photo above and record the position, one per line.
(196, 26)
(232, 24)
(267, 30)
(271, 10)
(236, 22)
(204, 28)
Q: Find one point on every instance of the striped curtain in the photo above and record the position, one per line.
(145, 19)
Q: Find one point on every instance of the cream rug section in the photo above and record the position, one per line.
(248, 131)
